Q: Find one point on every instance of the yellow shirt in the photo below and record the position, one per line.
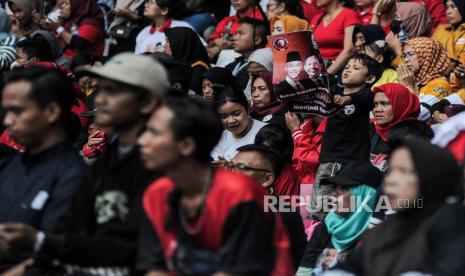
(388, 76)
(452, 40)
(434, 91)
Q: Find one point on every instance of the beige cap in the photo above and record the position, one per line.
(136, 70)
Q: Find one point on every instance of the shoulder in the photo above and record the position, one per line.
(236, 187)
(161, 186)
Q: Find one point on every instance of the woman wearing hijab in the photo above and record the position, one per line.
(355, 194)
(7, 42)
(266, 106)
(366, 34)
(217, 76)
(83, 28)
(184, 45)
(287, 23)
(393, 104)
(414, 21)
(423, 72)
(416, 190)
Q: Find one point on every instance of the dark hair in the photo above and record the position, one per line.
(176, 8)
(374, 68)
(293, 7)
(268, 154)
(261, 29)
(36, 47)
(278, 138)
(178, 72)
(49, 85)
(224, 94)
(386, 52)
(409, 129)
(82, 59)
(198, 120)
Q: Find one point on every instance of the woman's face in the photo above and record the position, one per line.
(342, 195)
(452, 13)
(401, 184)
(207, 90)
(235, 118)
(359, 40)
(65, 7)
(383, 109)
(410, 59)
(274, 8)
(261, 96)
(278, 28)
(152, 10)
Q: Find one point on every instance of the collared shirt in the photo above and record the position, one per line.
(295, 84)
(36, 189)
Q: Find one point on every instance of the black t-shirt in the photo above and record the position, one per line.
(347, 132)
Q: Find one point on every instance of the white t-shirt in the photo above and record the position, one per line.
(228, 145)
(146, 42)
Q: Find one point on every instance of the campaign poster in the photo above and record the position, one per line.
(299, 74)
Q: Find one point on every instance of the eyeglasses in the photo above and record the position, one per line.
(244, 168)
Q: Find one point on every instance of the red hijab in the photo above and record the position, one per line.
(275, 105)
(84, 12)
(405, 105)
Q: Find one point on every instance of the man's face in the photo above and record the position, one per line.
(240, 5)
(293, 69)
(152, 10)
(253, 165)
(355, 73)
(158, 145)
(312, 67)
(117, 105)
(25, 121)
(243, 39)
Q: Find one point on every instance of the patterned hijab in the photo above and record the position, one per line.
(432, 59)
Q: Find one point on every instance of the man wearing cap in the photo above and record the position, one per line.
(98, 233)
(292, 83)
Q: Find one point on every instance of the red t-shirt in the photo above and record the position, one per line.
(232, 22)
(235, 227)
(92, 34)
(436, 10)
(365, 16)
(330, 38)
(310, 9)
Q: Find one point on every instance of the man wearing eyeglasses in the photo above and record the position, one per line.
(265, 166)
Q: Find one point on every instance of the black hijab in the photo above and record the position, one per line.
(221, 76)
(371, 33)
(186, 45)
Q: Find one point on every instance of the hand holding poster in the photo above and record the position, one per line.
(299, 74)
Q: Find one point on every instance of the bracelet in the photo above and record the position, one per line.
(40, 237)
(59, 30)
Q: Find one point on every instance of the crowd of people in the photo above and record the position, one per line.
(148, 137)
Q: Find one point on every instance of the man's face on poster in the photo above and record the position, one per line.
(293, 69)
(312, 67)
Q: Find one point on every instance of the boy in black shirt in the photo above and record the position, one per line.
(346, 137)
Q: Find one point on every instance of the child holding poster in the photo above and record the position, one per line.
(346, 138)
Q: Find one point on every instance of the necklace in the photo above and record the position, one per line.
(201, 221)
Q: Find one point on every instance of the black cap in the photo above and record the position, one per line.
(293, 56)
(356, 173)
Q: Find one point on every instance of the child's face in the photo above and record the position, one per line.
(355, 74)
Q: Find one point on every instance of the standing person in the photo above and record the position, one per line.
(239, 128)
(162, 13)
(333, 30)
(184, 45)
(214, 217)
(36, 186)
(365, 10)
(97, 235)
(346, 138)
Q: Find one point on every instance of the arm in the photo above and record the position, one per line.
(345, 54)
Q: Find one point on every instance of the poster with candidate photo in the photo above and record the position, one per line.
(299, 74)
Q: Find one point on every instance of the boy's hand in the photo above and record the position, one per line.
(342, 100)
(292, 121)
